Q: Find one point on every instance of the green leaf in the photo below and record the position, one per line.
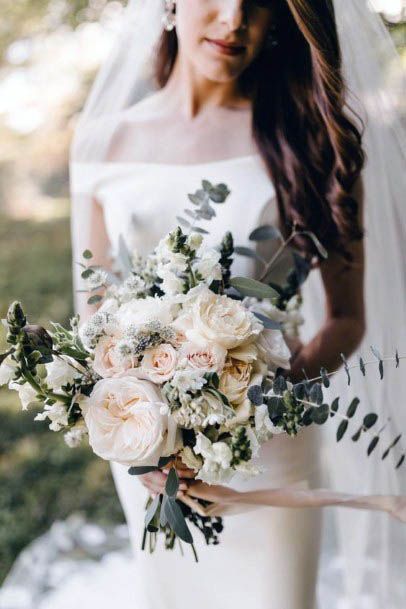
(172, 483)
(321, 414)
(392, 445)
(279, 385)
(176, 520)
(320, 248)
(357, 435)
(335, 406)
(325, 378)
(370, 420)
(87, 273)
(248, 253)
(140, 471)
(352, 408)
(372, 445)
(268, 323)
(276, 407)
(401, 461)
(397, 359)
(150, 513)
(265, 233)
(255, 395)
(87, 254)
(342, 428)
(362, 366)
(201, 231)
(94, 299)
(183, 222)
(252, 287)
(164, 461)
(316, 394)
(299, 391)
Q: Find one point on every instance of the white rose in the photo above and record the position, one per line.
(203, 356)
(125, 424)
(158, 364)
(141, 311)
(208, 266)
(60, 372)
(221, 320)
(273, 349)
(234, 380)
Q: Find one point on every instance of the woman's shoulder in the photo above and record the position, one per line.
(151, 107)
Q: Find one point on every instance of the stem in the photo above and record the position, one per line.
(279, 251)
(372, 361)
(65, 399)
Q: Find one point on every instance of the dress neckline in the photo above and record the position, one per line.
(152, 164)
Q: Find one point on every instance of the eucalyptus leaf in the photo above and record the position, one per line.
(320, 248)
(370, 420)
(87, 273)
(342, 428)
(352, 408)
(334, 406)
(325, 378)
(176, 520)
(392, 445)
(172, 483)
(346, 367)
(252, 287)
(183, 222)
(141, 470)
(316, 394)
(362, 366)
(401, 461)
(87, 254)
(202, 231)
(265, 233)
(94, 299)
(279, 385)
(321, 414)
(357, 434)
(268, 323)
(248, 253)
(372, 445)
(255, 395)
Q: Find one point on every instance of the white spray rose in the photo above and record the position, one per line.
(205, 356)
(125, 424)
(217, 459)
(158, 364)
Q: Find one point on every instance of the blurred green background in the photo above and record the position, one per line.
(49, 52)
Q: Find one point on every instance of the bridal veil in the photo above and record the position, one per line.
(365, 549)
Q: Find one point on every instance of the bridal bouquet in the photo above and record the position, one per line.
(180, 363)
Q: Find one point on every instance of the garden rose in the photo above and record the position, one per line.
(273, 349)
(203, 356)
(221, 320)
(108, 361)
(235, 379)
(158, 364)
(125, 424)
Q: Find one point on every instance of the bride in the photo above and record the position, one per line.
(250, 93)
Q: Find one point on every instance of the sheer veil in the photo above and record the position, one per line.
(364, 549)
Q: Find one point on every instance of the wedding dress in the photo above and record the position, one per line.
(275, 548)
(274, 563)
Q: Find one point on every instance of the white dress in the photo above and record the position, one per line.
(267, 557)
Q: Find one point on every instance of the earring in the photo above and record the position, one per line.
(272, 40)
(169, 18)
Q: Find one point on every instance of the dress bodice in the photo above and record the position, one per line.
(141, 201)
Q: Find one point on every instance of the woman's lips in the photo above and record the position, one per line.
(226, 48)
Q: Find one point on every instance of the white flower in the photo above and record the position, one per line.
(203, 356)
(217, 459)
(273, 349)
(194, 241)
(60, 372)
(96, 279)
(57, 414)
(141, 311)
(171, 283)
(221, 320)
(158, 364)
(174, 260)
(74, 436)
(188, 380)
(125, 424)
(7, 370)
(264, 427)
(208, 266)
(25, 392)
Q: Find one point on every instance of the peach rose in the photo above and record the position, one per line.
(235, 380)
(203, 356)
(107, 360)
(158, 364)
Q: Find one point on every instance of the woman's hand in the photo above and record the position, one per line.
(155, 481)
(213, 493)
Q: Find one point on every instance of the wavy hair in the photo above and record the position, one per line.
(308, 136)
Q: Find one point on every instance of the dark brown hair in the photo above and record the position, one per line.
(303, 127)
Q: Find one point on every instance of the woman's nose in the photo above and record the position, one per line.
(233, 13)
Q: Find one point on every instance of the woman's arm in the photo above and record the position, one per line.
(344, 325)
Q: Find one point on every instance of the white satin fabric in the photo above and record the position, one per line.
(268, 556)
